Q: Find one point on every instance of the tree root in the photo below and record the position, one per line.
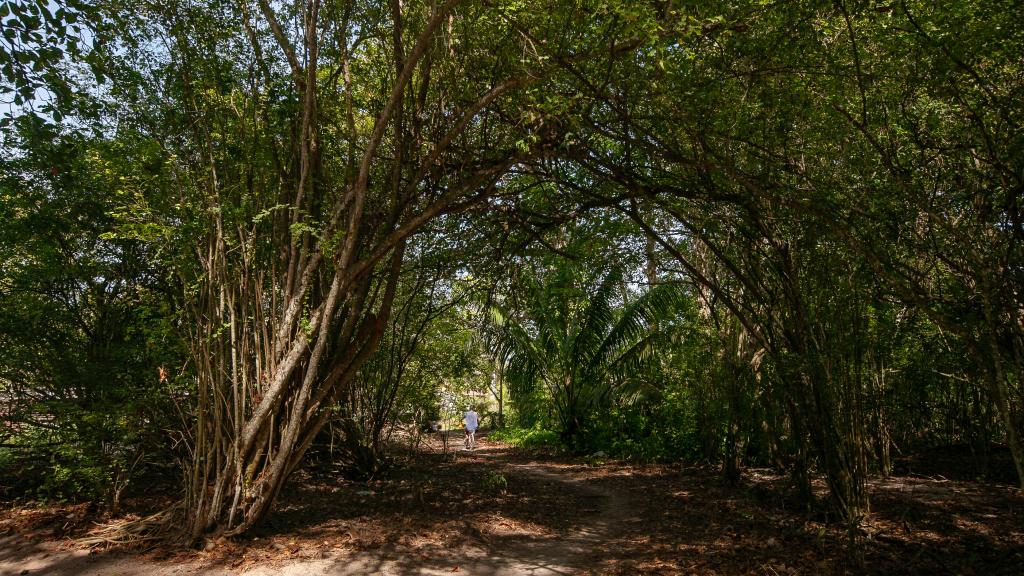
(144, 533)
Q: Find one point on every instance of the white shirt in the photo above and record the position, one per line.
(472, 420)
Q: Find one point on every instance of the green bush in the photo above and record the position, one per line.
(661, 430)
(529, 438)
(495, 481)
(658, 432)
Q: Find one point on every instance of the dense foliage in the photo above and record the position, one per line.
(744, 233)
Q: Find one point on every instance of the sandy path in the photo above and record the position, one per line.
(570, 552)
(491, 554)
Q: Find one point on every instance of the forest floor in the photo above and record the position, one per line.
(496, 511)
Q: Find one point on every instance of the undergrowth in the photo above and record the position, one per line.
(529, 438)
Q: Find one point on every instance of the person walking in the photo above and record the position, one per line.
(471, 420)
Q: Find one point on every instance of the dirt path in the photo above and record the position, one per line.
(566, 553)
(490, 541)
(499, 512)
(497, 547)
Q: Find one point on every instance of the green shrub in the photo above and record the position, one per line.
(529, 438)
(495, 481)
(660, 432)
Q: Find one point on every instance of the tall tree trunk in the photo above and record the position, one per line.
(995, 377)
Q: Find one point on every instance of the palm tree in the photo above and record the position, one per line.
(568, 335)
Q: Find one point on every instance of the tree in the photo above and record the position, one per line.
(85, 321)
(567, 336)
(777, 146)
(309, 142)
(423, 345)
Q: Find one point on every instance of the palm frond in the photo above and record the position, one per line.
(567, 335)
(660, 303)
(597, 317)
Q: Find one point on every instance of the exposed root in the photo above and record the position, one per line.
(144, 533)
